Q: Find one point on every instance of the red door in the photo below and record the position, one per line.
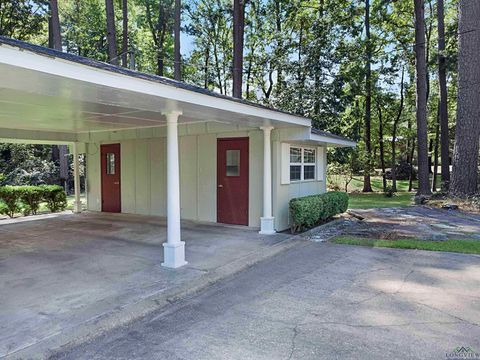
(110, 159)
(232, 181)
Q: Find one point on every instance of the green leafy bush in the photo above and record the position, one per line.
(31, 198)
(55, 197)
(10, 196)
(309, 211)
(27, 199)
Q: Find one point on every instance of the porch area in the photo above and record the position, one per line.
(60, 273)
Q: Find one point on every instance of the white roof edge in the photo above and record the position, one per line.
(30, 60)
(333, 140)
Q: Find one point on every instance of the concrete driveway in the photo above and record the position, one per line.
(316, 301)
(71, 276)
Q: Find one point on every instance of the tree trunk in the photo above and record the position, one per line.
(410, 177)
(380, 141)
(161, 43)
(55, 41)
(367, 186)
(301, 73)
(394, 134)
(176, 29)
(238, 30)
(442, 80)
(278, 53)
(125, 33)
(206, 64)
(435, 151)
(465, 152)
(54, 27)
(430, 155)
(64, 173)
(111, 34)
(421, 113)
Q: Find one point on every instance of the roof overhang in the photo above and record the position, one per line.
(45, 93)
(313, 137)
(332, 141)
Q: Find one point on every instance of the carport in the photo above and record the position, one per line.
(48, 96)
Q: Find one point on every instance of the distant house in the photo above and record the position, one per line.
(155, 146)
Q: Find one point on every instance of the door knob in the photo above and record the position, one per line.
(220, 186)
(116, 183)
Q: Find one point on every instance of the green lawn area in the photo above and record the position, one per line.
(378, 200)
(459, 246)
(359, 200)
(377, 184)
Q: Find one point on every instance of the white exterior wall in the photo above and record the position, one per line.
(283, 193)
(143, 174)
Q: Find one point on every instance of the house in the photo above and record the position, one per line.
(156, 146)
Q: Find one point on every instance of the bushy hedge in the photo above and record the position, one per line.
(27, 199)
(309, 211)
(55, 197)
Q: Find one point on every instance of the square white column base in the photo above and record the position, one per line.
(174, 255)
(267, 226)
(77, 208)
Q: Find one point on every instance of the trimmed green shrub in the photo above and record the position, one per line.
(309, 211)
(55, 197)
(27, 199)
(10, 196)
(31, 198)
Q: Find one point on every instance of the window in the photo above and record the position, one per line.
(110, 163)
(233, 163)
(302, 164)
(295, 172)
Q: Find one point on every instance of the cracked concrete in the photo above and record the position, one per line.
(318, 301)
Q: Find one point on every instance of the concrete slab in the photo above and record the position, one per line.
(61, 273)
(319, 301)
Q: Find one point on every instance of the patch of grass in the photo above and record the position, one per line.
(377, 184)
(70, 201)
(458, 246)
(378, 200)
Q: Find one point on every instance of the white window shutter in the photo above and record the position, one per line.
(285, 166)
(321, 164)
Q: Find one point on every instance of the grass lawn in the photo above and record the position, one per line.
(459, 246)
(377, 184)
(378, 200)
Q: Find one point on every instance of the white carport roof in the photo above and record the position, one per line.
(53, 96)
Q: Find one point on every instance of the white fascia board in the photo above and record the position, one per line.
(28, 60)
(36, 137)
(332, 141)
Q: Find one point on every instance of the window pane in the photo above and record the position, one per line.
(295, 172)
(309, 156)
(233, 162)
(110, 163)
(295, 155)
(309, 172)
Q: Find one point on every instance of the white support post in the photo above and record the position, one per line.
(174, 248)
(77, 205)
(267, 226)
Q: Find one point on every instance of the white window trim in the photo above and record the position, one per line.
(302, 164)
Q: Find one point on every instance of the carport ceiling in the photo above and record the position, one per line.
(38, 92)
